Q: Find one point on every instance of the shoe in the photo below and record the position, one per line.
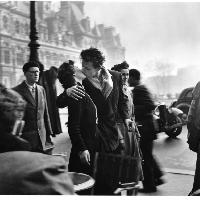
(147, 190)
(159, 182)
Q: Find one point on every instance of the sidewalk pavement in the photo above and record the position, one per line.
(177, 182)
(175, 185)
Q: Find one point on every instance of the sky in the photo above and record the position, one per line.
(152, 31)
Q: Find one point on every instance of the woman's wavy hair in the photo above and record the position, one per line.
(93, 55)
(65, 71)
(119, 67)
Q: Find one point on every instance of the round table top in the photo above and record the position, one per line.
(81, 181)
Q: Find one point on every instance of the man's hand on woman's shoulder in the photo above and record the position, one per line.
(76, 92)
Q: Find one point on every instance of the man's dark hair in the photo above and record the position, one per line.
(65, 71)
(93, 55)
(134, 73)
(30, 64)
(119, 67)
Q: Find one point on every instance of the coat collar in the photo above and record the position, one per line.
(27, 93)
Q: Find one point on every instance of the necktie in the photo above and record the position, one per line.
(33, 92)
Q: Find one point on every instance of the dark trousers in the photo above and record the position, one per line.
(151, 169)
(196, 183)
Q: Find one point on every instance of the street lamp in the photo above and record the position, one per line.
(34, 45)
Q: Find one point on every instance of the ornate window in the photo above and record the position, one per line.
(6, 56)
(17, 27)
(20, 60)
(5, 22)
(20, 56)
(26, 29)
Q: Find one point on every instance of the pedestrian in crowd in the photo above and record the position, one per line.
(105, 89)
(37, 129)
(193, 126)
(31, 173)
(12, 108)
(48, 81)
(127, 134)
(143, 107)
(131, 136)
(82, 118)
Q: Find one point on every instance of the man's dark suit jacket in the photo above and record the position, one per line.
(30, 173)
(37, 129)
(143, 107)
(107, 109)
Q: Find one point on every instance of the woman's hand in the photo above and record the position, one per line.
(85, 157)
(129, 124)
(76, 92)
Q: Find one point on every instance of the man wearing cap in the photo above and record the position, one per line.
(37, 129)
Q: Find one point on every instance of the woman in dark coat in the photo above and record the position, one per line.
(81, 123)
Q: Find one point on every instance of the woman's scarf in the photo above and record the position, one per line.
(103, 82)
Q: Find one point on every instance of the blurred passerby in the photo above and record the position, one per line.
(30, 173)
(48, 81)
(143, 107)
(37, 129)
(193, 126)
(12, 108)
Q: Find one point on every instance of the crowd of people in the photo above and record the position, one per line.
(109, 111)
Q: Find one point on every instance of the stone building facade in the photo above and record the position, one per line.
(62, 35)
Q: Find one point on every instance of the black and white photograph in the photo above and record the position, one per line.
(100, 98)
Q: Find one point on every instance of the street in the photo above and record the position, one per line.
(174, 154)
